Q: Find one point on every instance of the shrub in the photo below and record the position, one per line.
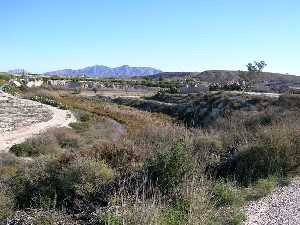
(48, 143)
(44, 144)
(6, 205)
(33, 186)
(69, 143)
(48, 101)
(275, 152)
(168, 169)
(226, 194)
(289, 101)
(237, 219)
(22, 150)
(75, 184)
(45, 220)
(172, 216)
(84, 178)
(85, 117)
(66, 138)
(262, 187)
(111, 219)
(79, 126)
(265, 186)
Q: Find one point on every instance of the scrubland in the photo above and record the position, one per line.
(119, 165)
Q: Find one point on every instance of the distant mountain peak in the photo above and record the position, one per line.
(104, 71)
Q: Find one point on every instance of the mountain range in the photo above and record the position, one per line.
(104, 71)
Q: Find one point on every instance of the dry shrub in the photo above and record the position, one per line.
(8, 165)
(31, 92)
(66, 138)
(275, 152)
(53, 141)
(75, 183)
(118, 155)
(6, 203)
(41, 145)
(289, 101)
(202, 209)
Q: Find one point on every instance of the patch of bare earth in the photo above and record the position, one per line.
(21, 119)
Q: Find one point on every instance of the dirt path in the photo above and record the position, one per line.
(271, 95)
(282, 207)
(57, 118)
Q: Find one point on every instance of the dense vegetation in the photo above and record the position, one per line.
(118, 165)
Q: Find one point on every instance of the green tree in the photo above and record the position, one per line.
(256, 66)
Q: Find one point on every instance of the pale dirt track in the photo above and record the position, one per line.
(58, 118)
(281, 207)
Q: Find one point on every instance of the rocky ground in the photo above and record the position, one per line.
(16, 113)
(282, 207)
(21, 119)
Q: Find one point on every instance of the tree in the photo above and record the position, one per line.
(256, 67)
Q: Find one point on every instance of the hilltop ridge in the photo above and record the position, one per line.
(105, 71)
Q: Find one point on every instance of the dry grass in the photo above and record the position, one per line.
(154, 172)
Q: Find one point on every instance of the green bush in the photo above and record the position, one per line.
(262, 188)
(79, 126)
(84, 178)
(111, 219)
(75, 185)
(265, 186)
(172, 216)
(226, 194)
(22, 150)
(48, 101)
(167, 169)
(85, 117)
(69, 143)
(237, 219)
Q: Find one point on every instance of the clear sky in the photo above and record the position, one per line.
(173, 35)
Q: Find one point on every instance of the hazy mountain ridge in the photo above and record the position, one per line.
(104, 71)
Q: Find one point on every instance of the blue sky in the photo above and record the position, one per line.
(173, 35)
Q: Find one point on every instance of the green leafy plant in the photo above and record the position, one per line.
(48, 101)
(226, 194)
(24, 150)
(167, 169)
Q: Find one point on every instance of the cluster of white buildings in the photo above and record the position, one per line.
(192, 86)
(229, 85)
(33, 81)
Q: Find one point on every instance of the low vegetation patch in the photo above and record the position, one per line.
(157, 171)
(48, 101)
(24, 150)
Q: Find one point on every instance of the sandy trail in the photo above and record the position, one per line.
(59, 118)
(281, 207)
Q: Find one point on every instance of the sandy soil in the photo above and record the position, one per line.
(59, 118)
(281, 207)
